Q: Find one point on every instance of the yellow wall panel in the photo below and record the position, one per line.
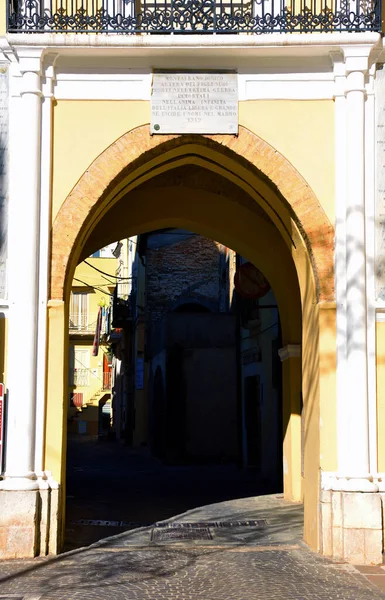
(84, 129)
(303, 131)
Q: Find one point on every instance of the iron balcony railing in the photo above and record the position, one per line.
(193, 16)
(84, 322)
(84, 377)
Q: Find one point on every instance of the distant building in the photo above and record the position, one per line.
(89, 371)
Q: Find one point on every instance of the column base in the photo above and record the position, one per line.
(29, 523)
(351, 526)
(23, 483)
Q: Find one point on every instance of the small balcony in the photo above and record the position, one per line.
(85, 323)
(193, 16)
(84, 377)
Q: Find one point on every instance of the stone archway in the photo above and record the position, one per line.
(303, 235)
(137, 147)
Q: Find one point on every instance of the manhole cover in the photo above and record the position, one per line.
(180, 534)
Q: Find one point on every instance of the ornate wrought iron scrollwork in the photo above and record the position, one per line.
(192, 16)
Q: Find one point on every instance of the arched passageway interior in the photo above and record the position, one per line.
(202, 394)
(243, 194)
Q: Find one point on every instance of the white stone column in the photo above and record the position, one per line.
(25, 134)
(370, 237)
(352, 401)
(340, 147)
(44, 258)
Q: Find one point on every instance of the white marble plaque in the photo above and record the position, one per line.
(194, 103)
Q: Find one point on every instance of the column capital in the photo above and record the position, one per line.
(30, 60)
(357, 58)
(49, 63)
(289, 351)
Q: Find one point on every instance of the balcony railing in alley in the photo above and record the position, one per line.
(193, 16)
(84, 323)
(84, 377)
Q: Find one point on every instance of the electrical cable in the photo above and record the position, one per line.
(94, 287)
(104, 272)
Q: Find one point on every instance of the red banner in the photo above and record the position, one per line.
(95, 346)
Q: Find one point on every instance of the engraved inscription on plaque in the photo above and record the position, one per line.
(3, 177)
(380, 197)
(194, 103)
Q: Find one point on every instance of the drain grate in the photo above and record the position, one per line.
(169, 525)
(103, 523)
(160, 534)
(215, 524)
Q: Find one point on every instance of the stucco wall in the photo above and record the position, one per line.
(303, 131)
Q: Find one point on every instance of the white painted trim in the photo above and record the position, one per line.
(52, 483)
(196, 41)
(110, 86)
(102, 87)
(289, 351)
(313, 87)
(380, 315)
(331, 480)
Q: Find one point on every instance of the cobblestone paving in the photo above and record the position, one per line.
(238, 563)
(184, 573)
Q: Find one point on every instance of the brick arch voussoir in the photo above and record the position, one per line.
(101, 176)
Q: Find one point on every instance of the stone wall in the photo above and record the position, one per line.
(184, 267)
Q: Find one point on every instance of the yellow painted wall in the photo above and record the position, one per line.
(3, 17)
(328, 415)
(300, 130)
(303, 131)
(95, 376)
(380, 355)
(83, 130)
(57, 390)
(89, 277)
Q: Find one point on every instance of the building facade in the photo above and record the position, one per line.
(295, 188)
(90, 364)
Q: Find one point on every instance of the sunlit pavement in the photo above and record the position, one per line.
(245, 548)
